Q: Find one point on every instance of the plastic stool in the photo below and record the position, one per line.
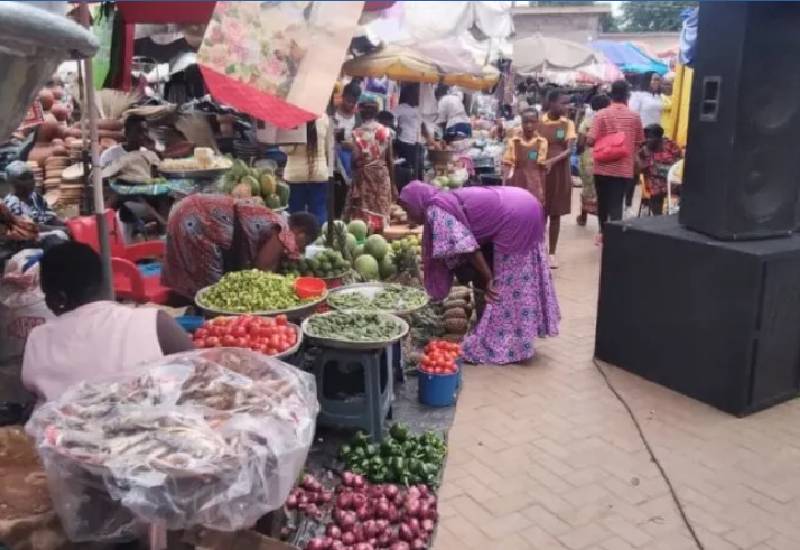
(366, 410)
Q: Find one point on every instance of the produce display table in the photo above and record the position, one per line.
(367, 411)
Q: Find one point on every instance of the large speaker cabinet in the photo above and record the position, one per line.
(741, 178)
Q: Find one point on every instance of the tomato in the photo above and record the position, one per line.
(212, 342)
(281, 320)
(271, 351)
(292, 338)
(239, 331)
(268, 321)
(228, 340)
(199, 342)
(242, 342)
(201, 333)
(274, 341)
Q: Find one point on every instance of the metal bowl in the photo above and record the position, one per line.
(370, 290)
(347, 344)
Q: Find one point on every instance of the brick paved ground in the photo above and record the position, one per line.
(543, 456)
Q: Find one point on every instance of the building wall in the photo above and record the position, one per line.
(576, 24)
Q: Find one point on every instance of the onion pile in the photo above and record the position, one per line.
(376, 517)
(309, 497)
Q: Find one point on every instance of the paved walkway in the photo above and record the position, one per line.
(543, 456)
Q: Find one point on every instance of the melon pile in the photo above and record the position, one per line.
(243, 181)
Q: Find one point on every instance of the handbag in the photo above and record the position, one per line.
(611, 148)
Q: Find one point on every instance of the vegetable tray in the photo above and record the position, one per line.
(301, 310)
(370, 290)
(348, 344)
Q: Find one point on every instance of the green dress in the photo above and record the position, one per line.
(586, 169)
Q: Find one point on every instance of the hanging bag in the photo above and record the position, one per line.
(611, 148)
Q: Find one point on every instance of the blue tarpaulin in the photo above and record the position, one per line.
(629, 58)
(688, 36)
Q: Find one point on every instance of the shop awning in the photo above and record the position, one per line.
(536, 53)
(629, 58)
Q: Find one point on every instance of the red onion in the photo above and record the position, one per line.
(413, 492)
(316, 544)
(427, 525)
(424, 509)
(394, 516)
(383, 510)
(423, 489)
(399, 499)
(333, 531)
(376, 491)
(358, 481)
(359, 500)
(347, 522)
(405, 532)
(344, 501)
(399, 545)
(432, 500)
(291, 502)
(328, 542)
(433, 515)
(348, 539)
(324, 497)
(371, 528)
(418, 544)
(338, 515)
(308, 482)
(391, 490)
(338, 545)
(363, 546)
(384, 539)
(413, 523)
(363, 513)
(358, 532)
(311, 509)
(347, 478)
(413, 508)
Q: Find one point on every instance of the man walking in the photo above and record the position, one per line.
(614, 171)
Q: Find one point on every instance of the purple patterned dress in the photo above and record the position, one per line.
(526, 306)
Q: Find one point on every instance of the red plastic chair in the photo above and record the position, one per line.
(129, 283)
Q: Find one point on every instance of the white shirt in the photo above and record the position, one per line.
(348, 124)
(297, 169)
(99, 341)
(111, 154)
(409, 124)
(451, 111)
(648, 106)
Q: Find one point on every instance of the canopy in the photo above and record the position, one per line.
(629, 58)
(406, 65)
(594, 73)
(533, 54)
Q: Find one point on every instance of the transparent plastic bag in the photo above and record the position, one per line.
(213, 437)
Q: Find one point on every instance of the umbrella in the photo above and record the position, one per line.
(535, 53)
(396, 63)
(629, 58)
(404, 65)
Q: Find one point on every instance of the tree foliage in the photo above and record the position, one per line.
(652, 16)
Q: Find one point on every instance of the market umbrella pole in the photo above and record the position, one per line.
(97, 182)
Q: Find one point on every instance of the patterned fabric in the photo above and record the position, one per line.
(371, 140)
(656, 165)
(527, 306)
(36, 209)
(617, 118)
(200, 240)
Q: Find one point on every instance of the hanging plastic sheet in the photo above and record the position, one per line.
(688, 36)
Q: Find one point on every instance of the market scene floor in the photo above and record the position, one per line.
(544, 456)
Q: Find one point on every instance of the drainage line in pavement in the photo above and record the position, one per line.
(655, 460)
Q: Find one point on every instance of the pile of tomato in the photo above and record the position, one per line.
(268, 335)
(440, 357)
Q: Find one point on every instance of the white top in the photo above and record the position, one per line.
(409, 124)
(648, 106)
(111, 154)
(343, 122)
(451, 111)
(98, 341)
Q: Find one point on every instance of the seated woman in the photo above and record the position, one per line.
(91, 339)
(463, 226)
(210, 235)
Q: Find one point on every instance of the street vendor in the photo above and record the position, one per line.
(210, 235)
(525, 157)
(24, 200)
(91, 339)
(496, 234)
(373, 187)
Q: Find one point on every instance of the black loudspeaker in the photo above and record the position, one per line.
(741, 178)
(718, 321)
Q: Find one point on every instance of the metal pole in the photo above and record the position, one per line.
(97, 181)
